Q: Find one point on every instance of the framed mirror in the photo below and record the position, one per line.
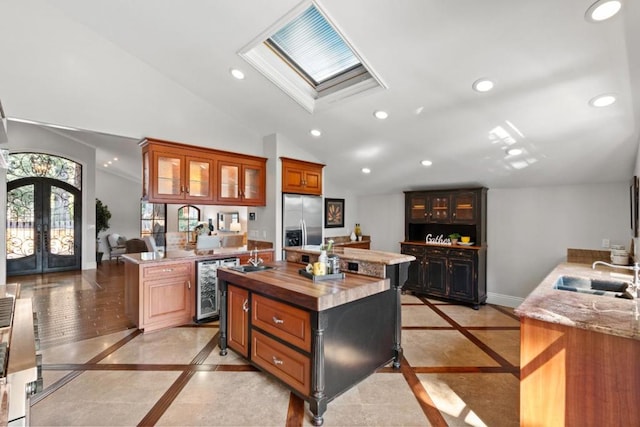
(225, 219)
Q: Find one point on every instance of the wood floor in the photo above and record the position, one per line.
(74, 306)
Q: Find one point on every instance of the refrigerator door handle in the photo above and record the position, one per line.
(303, 225)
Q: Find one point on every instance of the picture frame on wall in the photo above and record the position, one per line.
(333, 213)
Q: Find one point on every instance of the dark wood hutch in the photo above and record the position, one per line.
(450, 271)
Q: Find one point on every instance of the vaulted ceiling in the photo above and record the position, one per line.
(160, 68)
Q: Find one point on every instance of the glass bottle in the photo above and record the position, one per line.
(357, 230)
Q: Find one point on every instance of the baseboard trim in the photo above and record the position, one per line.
(504, 300)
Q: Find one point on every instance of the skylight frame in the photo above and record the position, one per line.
(267, 61)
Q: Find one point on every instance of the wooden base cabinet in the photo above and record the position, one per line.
(455, 274)
(575, 377)
(291, 343)
(159, 296)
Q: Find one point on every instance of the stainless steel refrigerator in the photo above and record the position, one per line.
(301, 220)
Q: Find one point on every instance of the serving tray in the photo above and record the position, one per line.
(304, 273)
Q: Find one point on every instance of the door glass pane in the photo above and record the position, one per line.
(168, 175)
(251, 183)
(61, 222)
(20, 222)
(229, 185)
(198, 178)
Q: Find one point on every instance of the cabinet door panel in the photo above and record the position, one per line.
(418, 209)
(464, 208)
(168, 176)
(238, 319)
(229, 181)
(436, 273)
(461, 278)
(166, 300)
(199, 185)
(415, 278)
(439, 208)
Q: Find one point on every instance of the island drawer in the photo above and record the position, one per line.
(283, 321)
(165, 270)
(285, 363)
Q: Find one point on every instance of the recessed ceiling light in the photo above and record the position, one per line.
(514, 151)
(109, 162)
(115, 159)
(426, 163)
(602, 100)
(603, 10)
(106, 165)
(366, 170)
(419, 110)
(237, 73)
(483, 85)
(381, 114)
(315, 132)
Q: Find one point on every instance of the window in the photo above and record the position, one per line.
(307, 57)
(188, 218)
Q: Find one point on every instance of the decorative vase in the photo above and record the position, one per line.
(353, 236)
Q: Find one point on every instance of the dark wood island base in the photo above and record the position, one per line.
(319, 338)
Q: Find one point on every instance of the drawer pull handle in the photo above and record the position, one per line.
(277, 361)
(277, 321)
(167, 270)
(245, 305)
(189, 284)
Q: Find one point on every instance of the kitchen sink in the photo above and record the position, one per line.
(610, 288)
(251, 268)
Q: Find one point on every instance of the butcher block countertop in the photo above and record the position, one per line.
(181, 255)
(286, 283)
(364, 255)
(613, 316)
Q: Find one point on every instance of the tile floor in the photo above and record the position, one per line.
(460, 368)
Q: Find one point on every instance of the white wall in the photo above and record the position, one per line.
(528, 230)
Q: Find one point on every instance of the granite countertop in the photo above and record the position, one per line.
(364, 255)
(286, 283)
(178, 255)
(614, 316)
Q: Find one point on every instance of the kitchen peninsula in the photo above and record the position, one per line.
(320, 337)
(160, 286)
(579, 352)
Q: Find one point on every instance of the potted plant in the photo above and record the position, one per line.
(102, 223)
(454, 238)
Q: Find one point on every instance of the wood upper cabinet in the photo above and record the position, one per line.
(241, 181)
(301, 177)
(464, 206)
(177, 173)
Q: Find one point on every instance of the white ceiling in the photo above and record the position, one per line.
(161, 68)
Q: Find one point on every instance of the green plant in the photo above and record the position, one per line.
(102, 217)
(454, 236)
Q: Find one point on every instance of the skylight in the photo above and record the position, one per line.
(307, 56)
(311, 45)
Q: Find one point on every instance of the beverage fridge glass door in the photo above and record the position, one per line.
(207, 290)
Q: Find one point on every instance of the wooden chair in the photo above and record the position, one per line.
(117, 246)
(135, 246)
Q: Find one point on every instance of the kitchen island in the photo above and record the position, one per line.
(320, 338)
(579, 353)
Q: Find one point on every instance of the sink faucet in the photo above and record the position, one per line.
(253, 257)
(636, 273)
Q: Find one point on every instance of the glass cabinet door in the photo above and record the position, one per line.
(168, 175)
(229, 181)
(439, 208)
(418, 208)
(252, 183)
(464, 207)
(199, 178)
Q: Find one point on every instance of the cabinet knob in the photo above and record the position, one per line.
(245, 305)
(277, 361)
(277, 321)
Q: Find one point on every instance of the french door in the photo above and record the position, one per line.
(43, 226)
